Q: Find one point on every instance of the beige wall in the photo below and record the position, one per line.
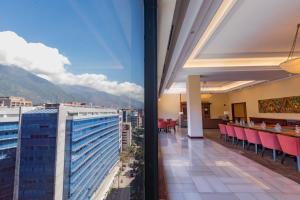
(274, 89)
(169, 105)
(218, 105)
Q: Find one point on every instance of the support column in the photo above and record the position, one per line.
(194, 107)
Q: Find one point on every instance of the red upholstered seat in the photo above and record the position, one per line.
(270, 141)
(172, 124)
(253, 137)
(162, 124)
(230, 131)
(290, 145)
(222, 129)
(240, 133)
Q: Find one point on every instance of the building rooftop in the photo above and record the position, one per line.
(36, 111)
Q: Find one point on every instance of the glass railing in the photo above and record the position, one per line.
(79, 146)
(8, 146)
(80, 153)
(78, 127)
(9, 127)
(88, 177)
(86, 167)
(84, 159)
(76, 164)
(89, 132)
(8, 137)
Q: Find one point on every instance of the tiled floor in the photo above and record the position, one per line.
(200, 169)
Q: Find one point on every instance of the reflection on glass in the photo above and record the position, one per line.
(71, 99)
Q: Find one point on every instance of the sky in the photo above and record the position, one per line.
(94, 43)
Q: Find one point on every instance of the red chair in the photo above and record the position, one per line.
(223, 131)
(290, 145)
(162, 125)
(240, 134)
(270, 141)
(172, 124)
(230, 132)
(253, 138)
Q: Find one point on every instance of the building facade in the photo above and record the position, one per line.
(135, 116)
(126, 135)
(12, 102)
(65, 153)
(136, 119)
(9, 125)
(8, 144)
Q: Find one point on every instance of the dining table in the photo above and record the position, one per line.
(285, 130)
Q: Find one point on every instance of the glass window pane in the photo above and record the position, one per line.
(74, 72)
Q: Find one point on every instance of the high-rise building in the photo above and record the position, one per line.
(126, 115)
(8, 144)
(12, 101)
(126, 135)
(66, 153)
(136, 119)
(9, 123)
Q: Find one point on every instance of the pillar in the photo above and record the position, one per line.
(194, 107)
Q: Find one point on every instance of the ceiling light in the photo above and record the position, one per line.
(206, 96)
(180, 87)
(292, 65)
(235, 62)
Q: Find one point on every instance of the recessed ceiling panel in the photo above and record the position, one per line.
(255, 28)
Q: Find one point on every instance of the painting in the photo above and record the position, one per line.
(280, 105)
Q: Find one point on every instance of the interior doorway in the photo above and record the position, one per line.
(239, 111)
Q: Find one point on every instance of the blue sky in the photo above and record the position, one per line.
(97, 36)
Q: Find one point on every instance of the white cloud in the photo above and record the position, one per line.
(49, 63)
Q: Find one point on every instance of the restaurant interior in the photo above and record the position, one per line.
(229, 99)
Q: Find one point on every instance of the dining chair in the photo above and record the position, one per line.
(290, 145)
(172, 124)
(253, 138)
(230, 132)
(240, 134)
(223, 131)
(269, 141)
(162, 125)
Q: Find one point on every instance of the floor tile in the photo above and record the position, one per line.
(206, 170)
(192, 196)
(219, 196)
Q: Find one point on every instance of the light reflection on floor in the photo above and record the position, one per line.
(200, 169)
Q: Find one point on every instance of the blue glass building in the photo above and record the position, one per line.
(37, 155)
(94, 150)
(66, 153)
(8, 144)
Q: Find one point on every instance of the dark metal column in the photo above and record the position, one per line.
(151, 152)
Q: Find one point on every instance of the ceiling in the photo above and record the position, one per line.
(255, 28)
(165, 14)
(230, 41)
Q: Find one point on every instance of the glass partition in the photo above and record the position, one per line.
(72, 99)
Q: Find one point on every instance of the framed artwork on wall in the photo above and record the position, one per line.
(280, 105)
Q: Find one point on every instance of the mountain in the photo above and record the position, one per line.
(89, 95)
(15, 81)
